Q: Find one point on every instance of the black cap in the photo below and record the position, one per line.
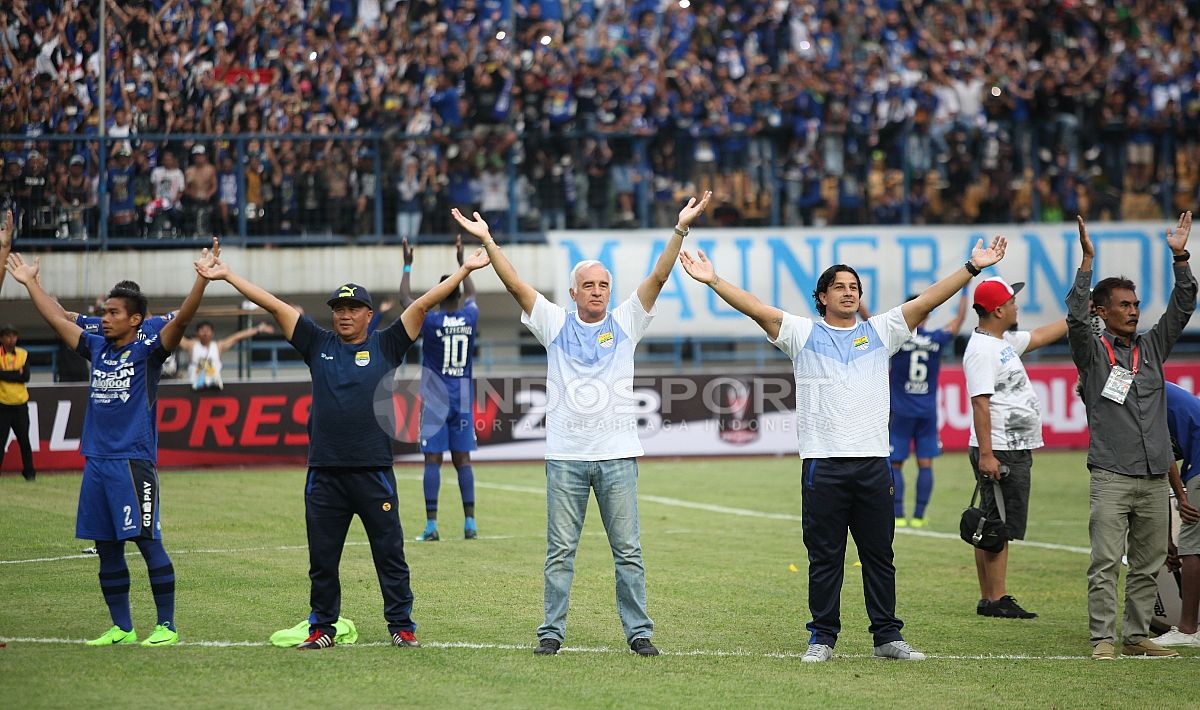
(8, 328)
(351, 292)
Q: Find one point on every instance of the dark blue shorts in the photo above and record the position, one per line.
(452, 431)
(905, 431)
(118, 500)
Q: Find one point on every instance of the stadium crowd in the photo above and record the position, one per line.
(586, 113)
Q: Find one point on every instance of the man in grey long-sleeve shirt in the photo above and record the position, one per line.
(1129, 455)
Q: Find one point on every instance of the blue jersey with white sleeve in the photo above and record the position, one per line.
(122, 410)
(447, 348)
(343, 430)
(914, 373)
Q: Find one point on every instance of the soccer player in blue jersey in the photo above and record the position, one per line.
(842, 406)
(350, 452)
(119, 496)
(913, 425)
(447, 392)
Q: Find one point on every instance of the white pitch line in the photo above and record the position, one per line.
(712, 653)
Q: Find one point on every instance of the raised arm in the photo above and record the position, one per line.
(47, 307)
(414, 315)
(525, 294)
(468, 284)
(406, 297)
(1182, 302)
(226, 343)
(918, 309)
(1047, 334)
(1079, 330)
(650, 288)
(172, 332)
(955, 325)
(6, 232)
(284, 314)
(700, 268)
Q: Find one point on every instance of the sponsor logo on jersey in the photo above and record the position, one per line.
(326, 357)
(605, 339)
(861, 342)
(362, 358)
(147, 504)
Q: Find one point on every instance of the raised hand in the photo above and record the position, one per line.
(478, 260)
(6, 231)
(699, 268)
(408, 251)
(476, 227)
(983, 258)
(1085, 242)
(1177, 238)
(216, 271)
(387, 305)
(22, 272)
(458, 249)
(209, 257)
(693, 209)
(265, 328)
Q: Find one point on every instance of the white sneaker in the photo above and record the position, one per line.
(899, 650)
(817, 653)
(1175, 637)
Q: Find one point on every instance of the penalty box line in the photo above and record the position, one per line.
(714, 653)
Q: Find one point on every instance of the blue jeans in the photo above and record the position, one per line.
(567, 488)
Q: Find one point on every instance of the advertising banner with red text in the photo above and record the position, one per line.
(259, 424)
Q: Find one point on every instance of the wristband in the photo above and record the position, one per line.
(1181, 257)
(408, 268)
(682, 232)
(972, 269)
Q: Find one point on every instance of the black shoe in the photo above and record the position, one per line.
(547, 646)
(31, 475)
(642, 647)
(1007, 608)
(316, 641)
(470, 534)
(984, 607)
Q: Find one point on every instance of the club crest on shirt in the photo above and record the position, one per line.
(362, 358)
(861, 342)
(605, 340)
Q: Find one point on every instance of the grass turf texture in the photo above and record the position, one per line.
(726, 606)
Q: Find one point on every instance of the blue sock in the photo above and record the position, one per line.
(430, 525)
(898, 484)
(469, 524)
(162, 579)
(433, 481)
(466, 486)
(924, 489)
(114, 582)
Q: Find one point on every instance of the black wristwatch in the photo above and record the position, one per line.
(972, 268)
(1181, 257)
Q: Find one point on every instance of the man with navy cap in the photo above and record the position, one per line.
(1006, 426)
(350, 453)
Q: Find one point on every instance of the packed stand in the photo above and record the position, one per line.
(593, 114)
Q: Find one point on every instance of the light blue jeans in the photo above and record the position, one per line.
(568, 484)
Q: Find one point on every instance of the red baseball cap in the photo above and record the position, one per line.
(992, 293)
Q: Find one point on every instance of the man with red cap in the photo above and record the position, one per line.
(1006, 426)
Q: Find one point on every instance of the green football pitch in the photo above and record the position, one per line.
(726, 572)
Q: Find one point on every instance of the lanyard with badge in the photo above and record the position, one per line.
(1120, 379)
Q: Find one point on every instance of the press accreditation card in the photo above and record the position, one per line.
(1117, 386)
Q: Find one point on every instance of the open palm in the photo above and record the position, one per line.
(699, 268)
(693, 209)
(994, 253)
(1085, 241)
(215, 271)
(1177, 238)
(22, 272)
(478, 260)
(476, 227)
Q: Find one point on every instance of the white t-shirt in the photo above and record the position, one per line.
(993, 366)
(591, 412)
(842, 393)
(168, 183)
(206, 365)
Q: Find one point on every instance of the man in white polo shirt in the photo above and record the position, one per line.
(842, 409)
(591, 425)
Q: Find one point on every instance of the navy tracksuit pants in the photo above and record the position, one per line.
(332, 497)
(854, 494)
